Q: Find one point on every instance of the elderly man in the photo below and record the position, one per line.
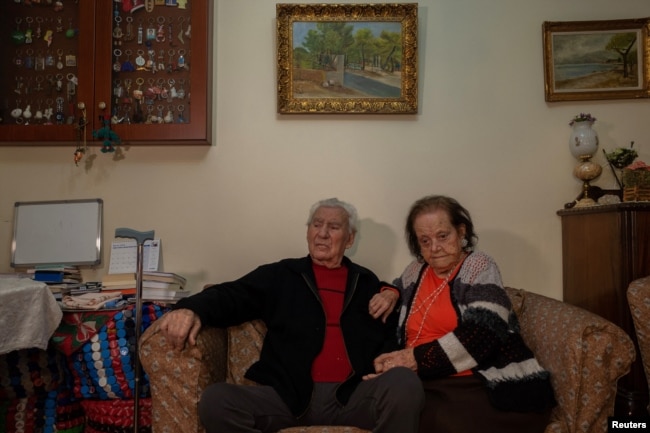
(321, 340)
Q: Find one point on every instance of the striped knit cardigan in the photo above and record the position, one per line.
(486, 340)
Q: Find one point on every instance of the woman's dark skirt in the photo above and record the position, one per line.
(461, 405)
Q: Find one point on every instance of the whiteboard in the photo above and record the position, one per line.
(64, 232)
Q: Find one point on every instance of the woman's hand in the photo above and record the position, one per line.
(399, 358)
(382, 304)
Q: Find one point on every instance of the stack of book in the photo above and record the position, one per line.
(124, 283)
(56, 274)
(163, 286)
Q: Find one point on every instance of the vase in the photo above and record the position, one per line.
(583, 142)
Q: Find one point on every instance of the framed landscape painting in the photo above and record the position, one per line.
(590, 60)
(347, 58)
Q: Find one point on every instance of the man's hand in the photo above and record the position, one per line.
(382, 304)
(399, 358)
(179, 326)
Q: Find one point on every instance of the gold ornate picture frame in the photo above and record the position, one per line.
(591, 60)
(347, 58)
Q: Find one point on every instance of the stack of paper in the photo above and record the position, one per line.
(124, 282)
(163, 286)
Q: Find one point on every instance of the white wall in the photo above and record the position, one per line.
(483, 134)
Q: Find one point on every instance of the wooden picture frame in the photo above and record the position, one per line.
(347, 58)
(591, 60)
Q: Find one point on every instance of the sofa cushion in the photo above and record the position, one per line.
(244, 347)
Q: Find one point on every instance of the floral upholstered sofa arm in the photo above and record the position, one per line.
(585, 353)
(177, 378)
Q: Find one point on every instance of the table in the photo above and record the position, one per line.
(29, 314)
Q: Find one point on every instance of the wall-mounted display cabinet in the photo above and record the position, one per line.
(140, 67)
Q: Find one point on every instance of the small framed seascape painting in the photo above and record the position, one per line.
(591, 60)
(347, 58)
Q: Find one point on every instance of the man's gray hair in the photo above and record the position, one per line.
(353, 217)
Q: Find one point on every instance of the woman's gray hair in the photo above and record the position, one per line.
(353, 217)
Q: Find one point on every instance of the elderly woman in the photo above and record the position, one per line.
(459, 331)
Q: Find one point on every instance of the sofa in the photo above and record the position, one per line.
(638, 297)
(585, 354)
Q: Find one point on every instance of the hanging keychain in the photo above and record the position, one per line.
(188, 32)
(17, 113)
(169, 117)
(129, 35)
(117, 66)
(151, 30)
(59, 82)
(17, 36)
(48, 112)
(127, 66)
(18, 59)
(117, 32)
(150, 65)
(39, 30)
(49, 59)
(161, 60)
(29, 59)
(39, 112)
(140, 61)
(71, 60)
(180, 93)
(160, 33)
(181, 60)
(170, 63)
(163, 90)
(151, 93)
(39, 81)
(59, 62)
(51, 83)
(19, 86)
(29, 33)
(71, 32)
(138, 116)
(72, 86)
(59, 116)
(28, 86)
(126, 100)
(118, 90)
(173, 94)
(170, 30)
(137, 93)
(39, 61)
(180, 33)
(82, 145)
(160, 108)
(150, 116)
(27, 113)
(181, 109)
(140, 33)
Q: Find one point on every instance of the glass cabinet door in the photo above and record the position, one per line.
(141, 68)
(156, 85)
(47, 51)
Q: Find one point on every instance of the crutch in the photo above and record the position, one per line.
(140, 238)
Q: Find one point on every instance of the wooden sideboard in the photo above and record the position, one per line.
(604, 248)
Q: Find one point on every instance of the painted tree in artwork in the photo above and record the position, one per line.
(391, 49)
(364, 43)
(623, 44)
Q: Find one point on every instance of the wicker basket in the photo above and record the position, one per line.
(636, 185)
